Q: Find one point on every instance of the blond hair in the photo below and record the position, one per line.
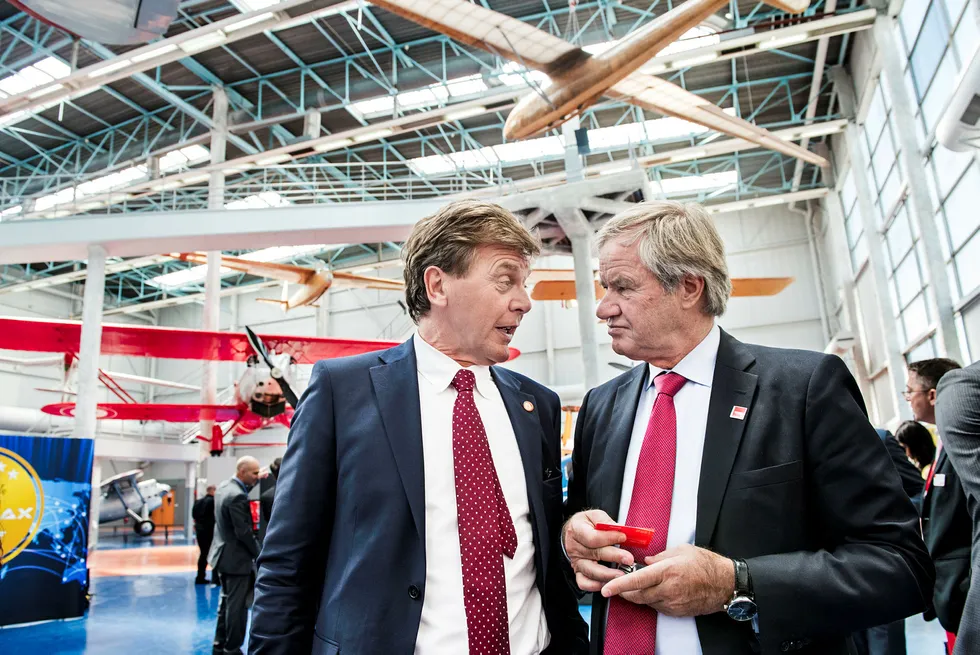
(448, 239)
(675, 239)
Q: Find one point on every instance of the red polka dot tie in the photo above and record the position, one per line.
(486, 530)
(631, 629)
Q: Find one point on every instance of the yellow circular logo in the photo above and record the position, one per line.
(21, 504)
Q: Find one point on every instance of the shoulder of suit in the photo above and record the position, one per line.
(792, 357)
(353, 363)
(528, 385)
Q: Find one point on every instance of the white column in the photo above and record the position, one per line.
(573, 160)
(323, 313)
(90, 346)
(920, 208)
(311, 124)
(212, 285)
(190, 484)
(579, 232)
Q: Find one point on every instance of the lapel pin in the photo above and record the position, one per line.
(738, 412)
(528, 406)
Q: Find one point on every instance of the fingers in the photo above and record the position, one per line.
(649, 576)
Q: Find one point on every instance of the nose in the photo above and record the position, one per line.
(523, 302)
(605, 309)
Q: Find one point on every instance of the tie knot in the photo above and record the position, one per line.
(669, 383)
(464, 380)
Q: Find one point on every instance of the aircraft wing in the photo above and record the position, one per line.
(48, 335)
(488, 30)
(129, 476)
(348, 280)
(663, 97)
(153, 412)
(285, 272)
(560, 285)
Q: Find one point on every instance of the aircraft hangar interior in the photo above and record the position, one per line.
(200, 199)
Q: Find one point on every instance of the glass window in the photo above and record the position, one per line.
(938, 95)
(915, 318)
(931, 185)
(899, 236)
(953, 9)
(939, 221)
(883, 157)
(929, 48)
(907, 280)
(891, 191)
(848, 193)
(966, 38)
(863, 147)
(859, 254)
(910, 87)
(854, 228)
(954, 287)
(911, 20)
(962, 208)
(968, 265)
(876, 118)
(949, 167)
(925, 350)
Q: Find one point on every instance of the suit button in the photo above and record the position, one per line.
(414, 592)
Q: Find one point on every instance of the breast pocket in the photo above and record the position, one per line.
(769, 475)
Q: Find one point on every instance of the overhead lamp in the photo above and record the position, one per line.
(165, 49)
(332, 10)
(782, 41)
(333, 145)
(203, 42)
(371, 136)
(111, 68)
(248, 22)
(10, 119)
(274, 159)
(164, 186)
(203, 177)
(43, 91)
(694, 61)
(460, 114)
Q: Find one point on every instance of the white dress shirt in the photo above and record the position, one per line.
(443, 625)
(678, 635)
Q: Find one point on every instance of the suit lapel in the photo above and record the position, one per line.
(530, 442)
(731, 387)
(396, 385)
(620, 432)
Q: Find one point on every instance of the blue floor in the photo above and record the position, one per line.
(169, 615)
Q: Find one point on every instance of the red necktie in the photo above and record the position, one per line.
(632, 629)
(486, 530)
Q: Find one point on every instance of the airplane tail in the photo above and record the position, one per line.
(273, 301)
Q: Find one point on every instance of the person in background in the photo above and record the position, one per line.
(958, 420)
(203, 515)
(946, 524)
(232, 555)
(268, 496)
(918, 443)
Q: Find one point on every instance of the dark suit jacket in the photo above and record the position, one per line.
(958, 420)
(234, 546)
(911, 476)
(266, 500)
(347, 573)
(801, 489)
(203, 514)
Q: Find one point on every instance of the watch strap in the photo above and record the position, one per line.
(743, 581)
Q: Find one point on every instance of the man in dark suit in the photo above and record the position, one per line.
(958, 421)
(233, 553)
(779, 523)
(268, 497)
(422, 484)
(946, 524)
(203, 515)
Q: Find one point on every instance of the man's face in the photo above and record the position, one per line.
(921, 399)
(249, 474)
(485, 306)
(637, 310)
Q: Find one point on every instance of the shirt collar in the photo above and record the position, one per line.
(698, 366)
(240, 483)
(440, 369)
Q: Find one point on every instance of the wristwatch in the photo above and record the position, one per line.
(742, 606)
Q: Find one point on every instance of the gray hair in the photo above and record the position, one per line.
(675, 239)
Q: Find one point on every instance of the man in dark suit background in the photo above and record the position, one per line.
(779, 522)
(268, 497)
(203, 515)
(958, 421)
(233, 553)
(946, 524)
(419, 501)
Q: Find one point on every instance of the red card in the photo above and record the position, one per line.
(635, 537)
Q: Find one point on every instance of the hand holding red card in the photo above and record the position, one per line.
(635, 537)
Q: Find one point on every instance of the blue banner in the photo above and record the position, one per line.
(45, 494)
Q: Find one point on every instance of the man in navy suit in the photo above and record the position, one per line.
(422, 484)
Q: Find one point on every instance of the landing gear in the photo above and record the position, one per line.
(144, 528)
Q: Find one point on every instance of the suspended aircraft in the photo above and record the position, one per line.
(123, 496)
(579, 80)
(112, 22)
(263, 395)
(546, 284)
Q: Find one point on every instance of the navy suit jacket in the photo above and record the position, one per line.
(342, 569)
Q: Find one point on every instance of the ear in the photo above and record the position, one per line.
(435, 286)
(690, 291)
(932, 397)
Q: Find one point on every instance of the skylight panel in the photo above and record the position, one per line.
(33, 76)
(518, 151)
(513, 74)
(187, 156)
(253, 5)
(464, 86)
(694, 183)
(53, 199)
(196, 274)
(11, 211)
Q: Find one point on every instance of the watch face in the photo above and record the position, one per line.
(742, 609)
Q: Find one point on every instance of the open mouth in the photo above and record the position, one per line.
(509, 330)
